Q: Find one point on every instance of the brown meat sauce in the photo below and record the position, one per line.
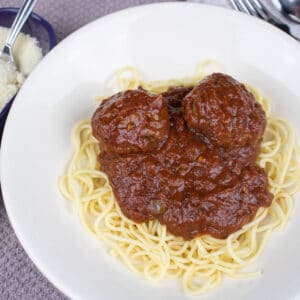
(184, 179)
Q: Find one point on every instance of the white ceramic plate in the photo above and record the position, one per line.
(163, 41)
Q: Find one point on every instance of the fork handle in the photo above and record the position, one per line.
(22, 16)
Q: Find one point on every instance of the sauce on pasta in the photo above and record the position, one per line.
(186, 157)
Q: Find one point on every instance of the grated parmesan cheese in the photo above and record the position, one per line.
(27, 54)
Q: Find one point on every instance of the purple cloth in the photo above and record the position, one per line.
(19, 278)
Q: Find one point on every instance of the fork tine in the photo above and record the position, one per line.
(238, 4)
(234, 5)
(259, 9)
(241, 6)
(251, 7)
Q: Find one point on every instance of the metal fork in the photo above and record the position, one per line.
(256, 8)
(26, 8)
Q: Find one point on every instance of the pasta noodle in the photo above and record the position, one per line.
(148, 248)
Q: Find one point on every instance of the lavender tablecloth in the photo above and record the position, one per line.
(19, 278)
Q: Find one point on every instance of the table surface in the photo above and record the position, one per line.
(19, 278)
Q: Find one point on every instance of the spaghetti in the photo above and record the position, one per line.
(148, 248)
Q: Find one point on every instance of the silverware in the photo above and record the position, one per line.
(258, 9)
(25, 10)
(291, 8)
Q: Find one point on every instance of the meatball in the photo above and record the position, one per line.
(221, 109)
(133, 121)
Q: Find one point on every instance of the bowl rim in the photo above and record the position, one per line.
(52, 43)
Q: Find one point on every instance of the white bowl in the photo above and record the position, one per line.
(163, 40)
